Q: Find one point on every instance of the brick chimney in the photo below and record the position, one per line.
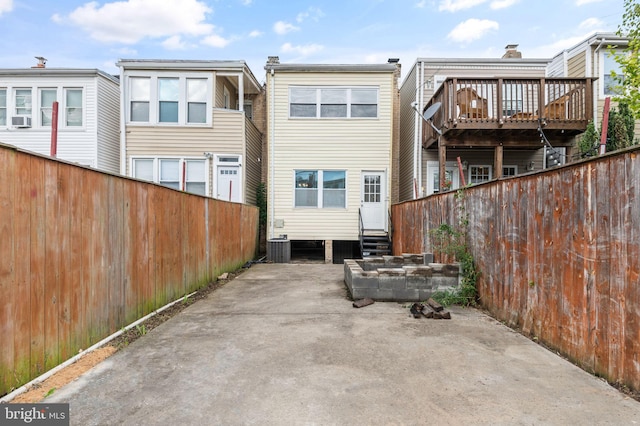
(42, 62)
(511, 52)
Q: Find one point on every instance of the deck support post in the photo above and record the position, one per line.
(498, 156)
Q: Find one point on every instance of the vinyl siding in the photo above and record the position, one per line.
(252, 161)
(409, 93)
(108, 119)
(328, 144)
(576, 65)
(408, 117)
(76, 145)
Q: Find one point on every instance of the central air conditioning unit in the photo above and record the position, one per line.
(21, 121)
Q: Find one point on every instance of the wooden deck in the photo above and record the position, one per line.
(509, 111)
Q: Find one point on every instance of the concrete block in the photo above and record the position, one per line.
(384, 295)
(406, 295)
(365, 281)
(392, 282)
(420, 283)
(427, 258)
(451, 269)
(412, 259)
(393, 261)
(437, 267)
(425, 294)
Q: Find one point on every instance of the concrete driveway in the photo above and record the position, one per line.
(281, 345)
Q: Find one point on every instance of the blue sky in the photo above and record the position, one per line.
(80, 34)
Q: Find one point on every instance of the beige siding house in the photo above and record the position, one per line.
(592, 58)
(332, 155)
(88, 113)
(419, 166)
(189, 125)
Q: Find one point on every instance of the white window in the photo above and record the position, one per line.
(47, 98)
(479, 174)
(170, 173)
(23, 101)
(73, 107)
(320, 188)
(609, 81)
(196, 100)
(140, 92)
(333, 102)
(3, 107)
(168, 98)
(178, 173)
(248, 109)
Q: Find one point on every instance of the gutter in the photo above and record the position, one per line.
(271, 154)
(123, 133)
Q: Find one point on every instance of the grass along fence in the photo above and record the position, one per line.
(558, 253)
(84, 253)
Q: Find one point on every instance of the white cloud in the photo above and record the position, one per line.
(502, 4)
(130, 21)
(214, 40)
(247, 2)
(583, 2)
(282, 27)
(312, 13)
(6, 6)
(456, 5)
(591, 24)
(255, 33)
(472, 29)
(301, 50)
(421, 4)
(174, 43)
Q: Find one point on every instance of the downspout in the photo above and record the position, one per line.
(600, 82)
(416, 139)
(123, 133)
(271, 151)
(421, 127)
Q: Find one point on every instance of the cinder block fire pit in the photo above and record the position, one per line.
(406, 278)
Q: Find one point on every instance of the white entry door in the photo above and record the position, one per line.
(373, 203)
(228, 184)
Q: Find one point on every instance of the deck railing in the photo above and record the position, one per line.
(511, 103)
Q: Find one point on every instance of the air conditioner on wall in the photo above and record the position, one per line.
(21, 121)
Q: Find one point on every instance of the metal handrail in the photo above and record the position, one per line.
(361, 231)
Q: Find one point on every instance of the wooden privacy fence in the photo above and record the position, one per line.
(83, 254)
(559, 257)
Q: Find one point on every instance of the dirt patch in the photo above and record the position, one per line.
(41, 390)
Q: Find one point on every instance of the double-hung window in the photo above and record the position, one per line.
(140, 93)
(320, 188)
(3, 107)
(333, 102)
(47, 98)
(23, 102)
(196, 100)
(610, 83)
(168, 97)
(176, 173)
(73, 107)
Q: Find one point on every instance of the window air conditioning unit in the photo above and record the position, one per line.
(21, 121)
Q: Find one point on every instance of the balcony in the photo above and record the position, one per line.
(508, 112)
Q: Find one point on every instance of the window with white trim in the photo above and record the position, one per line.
(23, 102)
(169, 99)
(610, 83)
(479, 174)
(73, 107)
(509, 170)
(333, 102)
(47, 98)
(189, 174)
(3, 107)
(320, 188)
(140, 94)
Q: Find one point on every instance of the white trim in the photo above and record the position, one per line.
(154, 110)
(320, 188)
(318, 103)
(217, 164)
(181, 161)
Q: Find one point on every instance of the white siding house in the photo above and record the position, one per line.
(188, 125)
(88, 113)
(331, 150)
